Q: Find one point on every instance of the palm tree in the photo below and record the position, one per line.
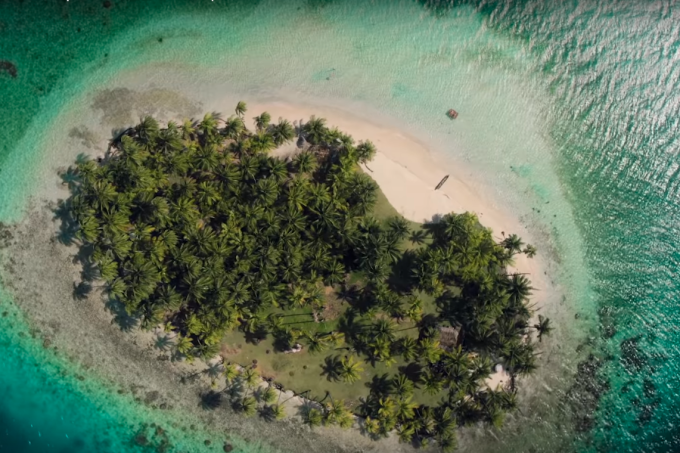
(250, 376)
(230, 373)
(277, 411)
(365, 151)
(383, 329)
(350, 370)
(402, 387)
(397, 227)
(543, 326)
(184, 345)
(315, 130)
(429, 349)
(268, 395)
(336, 337)
(274, 322)
(209, 125)
(372, 426)
(513, 243)
(316, 342)
(188, 129)
(447, 442)
(407, 347)
(529, 251)
(405, 409)
(262, 121)
(418, 236)
(313, 417)
(414, 311)
(425, 420)
(432, 382)
(282, 132)
(304, 162)
(247, 405)
(380, 349)
(335, 273)
(233, 128)
(406, 431)
(262, 142)
(346, 419)
(519, 288)
(147, 130)
(514, 353)
(241, 109)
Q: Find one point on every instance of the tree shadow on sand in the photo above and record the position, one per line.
(68, 224)
(211, 400)
(82, 290)
(125, 321)
(164, 342)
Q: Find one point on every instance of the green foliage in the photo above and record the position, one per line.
(350, 369)
(198, 228)
(313, 417)
(268, 395)
(276, 411)
(248, 405)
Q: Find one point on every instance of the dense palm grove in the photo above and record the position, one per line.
(198, 228)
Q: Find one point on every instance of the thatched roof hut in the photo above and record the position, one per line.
(448, 338)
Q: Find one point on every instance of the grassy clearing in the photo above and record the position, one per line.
(302, 371)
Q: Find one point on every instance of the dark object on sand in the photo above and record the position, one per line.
(441, 183)
(9, 68)
(452, 114)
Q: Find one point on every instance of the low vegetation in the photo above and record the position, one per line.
(198, 228)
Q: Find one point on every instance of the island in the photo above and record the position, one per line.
(203, 229)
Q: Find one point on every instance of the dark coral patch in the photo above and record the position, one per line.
(9, 68)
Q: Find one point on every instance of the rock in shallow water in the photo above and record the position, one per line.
(9, 68)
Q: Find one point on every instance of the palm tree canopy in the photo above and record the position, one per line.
(200, 228)
(241, 108)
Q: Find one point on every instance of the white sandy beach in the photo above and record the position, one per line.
(408, 173)
(405, 168)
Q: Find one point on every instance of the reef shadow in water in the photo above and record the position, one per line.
(120, 106)
(9, 67)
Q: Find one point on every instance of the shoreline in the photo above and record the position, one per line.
(398, 154)
(407, 174)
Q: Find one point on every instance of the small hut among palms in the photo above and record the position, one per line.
(448, 338)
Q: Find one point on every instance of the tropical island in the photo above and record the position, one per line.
(202, 229)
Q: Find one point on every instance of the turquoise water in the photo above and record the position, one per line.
(568, 112)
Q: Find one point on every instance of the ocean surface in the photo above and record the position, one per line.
(569, 112)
